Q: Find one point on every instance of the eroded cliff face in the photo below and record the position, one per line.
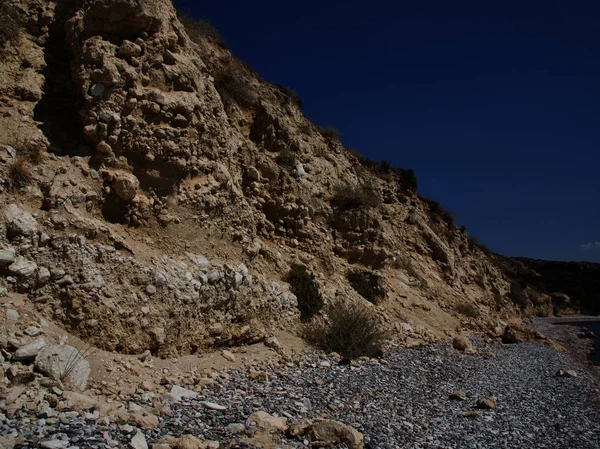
(172, 189)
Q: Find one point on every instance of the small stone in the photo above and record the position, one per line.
(299, 171)
(486, 403)
(228, 355)
(236, 428)
(178, 393)
(129, 49)
(97, 90)
(272, 342)
(150, 289)
(12, 314)
(253, 174)
(43, 275)
(214, 276)
(54, 444)
(104, 148)
(139, 441)
(214, 406)
(458, 395)
(125, 185)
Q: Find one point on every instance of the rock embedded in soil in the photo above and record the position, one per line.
(62, 362)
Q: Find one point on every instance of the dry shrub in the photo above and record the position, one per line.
(233, 89)
(10, 21)
(305, 287)
(367, 283)
(352, 197)
(199, 30)
(291, 94)
(329, 132)
(468, 309)
(20, 173)
(351, 330)
(286, 158)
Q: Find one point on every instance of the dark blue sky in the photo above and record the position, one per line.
(495, 106)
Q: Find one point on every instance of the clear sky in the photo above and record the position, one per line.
(495, 105)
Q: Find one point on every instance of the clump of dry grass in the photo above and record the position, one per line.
(352, 197)
(351, 330)
(20, 173)
(468, 309)
(199, 29)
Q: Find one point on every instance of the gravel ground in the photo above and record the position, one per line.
(401, 402)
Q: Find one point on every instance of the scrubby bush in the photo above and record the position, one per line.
(351, 330)
(199, 29)
(366, 283)
(286, 158)
(10, 21)
(475, 243)
(234, 89)
(468, 309)
(291, 94)
(437, 212)
(329, 132)
(20, 173)
(353, 197)
(407, 180)
(518, 295)
(305, 287)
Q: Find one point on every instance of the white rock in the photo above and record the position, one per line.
(19, 221)
(228, 355)
(198, 260)
(253, 174)
(12, 314)
(238, 278)
(43, 275)
(54, 444)
(300, 172)
(23, 267)
(214, 406)
(55, 361)
(272, 342)
(7, 256)
(139, 441)
(214, 276)
(150, 289)
(178, 393)
(29, 351)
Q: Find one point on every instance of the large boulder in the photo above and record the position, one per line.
(520, 334)
(63, 363)
(19, 221)
(332, 432)
(461, 343)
